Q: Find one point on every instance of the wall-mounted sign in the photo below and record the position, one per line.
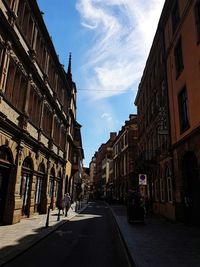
(142, 179)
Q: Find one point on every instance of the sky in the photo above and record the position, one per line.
(110, 41)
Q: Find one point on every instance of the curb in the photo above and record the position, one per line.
(127, 251)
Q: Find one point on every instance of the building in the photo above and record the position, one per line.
(77, 170)
(154, 143)
(92, 167)
(182, 36)
(168, 114)
(37, 110)
(124, 155)
(100, 165)
(112, 168)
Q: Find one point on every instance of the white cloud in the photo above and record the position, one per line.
(123, 31)
(106, 116)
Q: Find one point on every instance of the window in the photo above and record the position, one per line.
(1, 55)
(64, 100)
(63, 138)
(47, 120)
(16, 86)
(35, 104)
(197, 19)
(8, 2)
(169, 186)
(162, 190)
(56, 132)
(125, 164)
(175, 16)
(183, 109)
(178, 57)
(25, 21)
(156, 190)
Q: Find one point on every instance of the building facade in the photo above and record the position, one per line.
(112, 168)
(182, 36)
(168, 114)
(154, 141)
(35, 98)
(124, 155)
(99, 167)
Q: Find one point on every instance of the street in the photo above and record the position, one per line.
(88, 239)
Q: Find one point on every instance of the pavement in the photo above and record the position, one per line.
(157, 242)
(16, 238)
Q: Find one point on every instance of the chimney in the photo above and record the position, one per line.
(113, 135)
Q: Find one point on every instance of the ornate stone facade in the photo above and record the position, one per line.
(35, 97)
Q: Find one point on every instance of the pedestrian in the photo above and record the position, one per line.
(66, 203)
(60, 204)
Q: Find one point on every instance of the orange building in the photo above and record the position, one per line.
(182, 42)
(177, 76)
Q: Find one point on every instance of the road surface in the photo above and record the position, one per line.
(90, 239)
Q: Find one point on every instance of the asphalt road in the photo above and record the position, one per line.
(90, 239)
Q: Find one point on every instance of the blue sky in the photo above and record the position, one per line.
(109, 41)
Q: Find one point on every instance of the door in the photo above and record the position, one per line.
(4, 177)
(192, 189)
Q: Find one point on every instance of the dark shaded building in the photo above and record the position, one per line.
(124, 148)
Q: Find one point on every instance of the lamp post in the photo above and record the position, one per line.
(47, 220)
(58, 218)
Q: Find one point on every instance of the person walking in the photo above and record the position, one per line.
(66, 203)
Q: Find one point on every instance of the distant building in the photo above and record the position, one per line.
(100, 171)
(37, 115)
(92, 167)
(77, 170)
(124, 177)
(112, 166)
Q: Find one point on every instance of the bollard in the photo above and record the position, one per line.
(58, 219)
(47, 220)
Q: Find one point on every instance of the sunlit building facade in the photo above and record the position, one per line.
(36, 95)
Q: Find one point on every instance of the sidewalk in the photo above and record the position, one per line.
(16, 238)
(158, 242)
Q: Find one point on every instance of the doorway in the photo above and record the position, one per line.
(5, 170)
(39, 188)
(25, 187)
(191, 188)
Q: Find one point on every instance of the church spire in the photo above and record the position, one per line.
(69, 71)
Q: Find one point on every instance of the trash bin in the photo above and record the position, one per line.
(135, 209)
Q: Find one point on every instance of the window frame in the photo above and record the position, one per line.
(175, 16)
(183, 110)
(197, 20)
(178, 57)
